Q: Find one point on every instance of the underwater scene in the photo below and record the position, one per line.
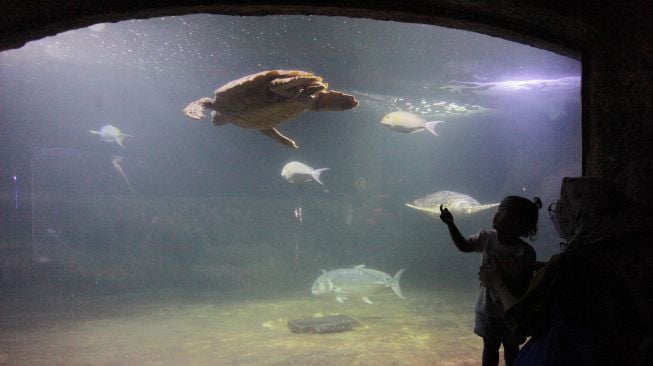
(222, 190)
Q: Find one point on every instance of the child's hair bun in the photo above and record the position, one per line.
(538, 202)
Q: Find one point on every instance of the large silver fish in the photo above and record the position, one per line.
(359, 281)
(457, 203)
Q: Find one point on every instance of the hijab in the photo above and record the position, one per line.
(592, 209)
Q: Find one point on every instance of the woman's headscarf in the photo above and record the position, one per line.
(591, 209)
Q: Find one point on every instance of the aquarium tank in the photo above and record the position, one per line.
(155, 209)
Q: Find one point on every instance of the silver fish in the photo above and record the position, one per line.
(111, 133)
(296, 172)
(116, 161)
(359, 281)
(408, 122)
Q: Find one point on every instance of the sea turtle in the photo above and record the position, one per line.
(457, 203)
(262, 101)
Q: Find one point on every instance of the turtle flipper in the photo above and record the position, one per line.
(272, 132)
(428, 212)
(195, 110)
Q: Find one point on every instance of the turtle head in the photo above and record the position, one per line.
(334, 101)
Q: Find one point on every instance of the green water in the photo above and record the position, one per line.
(187, 247)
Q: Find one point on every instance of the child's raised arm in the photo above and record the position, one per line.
(458, 238)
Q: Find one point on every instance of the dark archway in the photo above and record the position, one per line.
(541, 26)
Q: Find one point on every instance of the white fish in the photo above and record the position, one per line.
(359, 281)
(296, 172)
(349, 216)
(111, 133)
(116, 161)
(407, 122)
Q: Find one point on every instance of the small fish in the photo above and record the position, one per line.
(42, 260)
(349, 214)
(116, 161)
(406, 122)
(55, 235)
(111, 133)
(296, 172)
(359, 281)
(299, 214)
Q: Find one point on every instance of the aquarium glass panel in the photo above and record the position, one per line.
(211, 189)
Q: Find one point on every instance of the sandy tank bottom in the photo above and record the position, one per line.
(432, 327)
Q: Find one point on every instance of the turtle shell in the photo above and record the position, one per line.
(457, 203)
(266, 99)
